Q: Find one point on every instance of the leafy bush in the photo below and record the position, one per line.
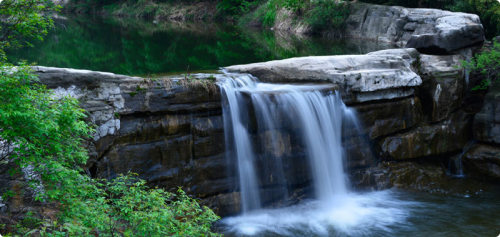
(23, 21)
(127, 207)
(234, 7)
(296, 5)
(327, 14)
(486, 64)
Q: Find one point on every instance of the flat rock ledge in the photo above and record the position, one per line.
(380, 75)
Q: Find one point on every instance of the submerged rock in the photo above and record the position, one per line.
(484, 159)
(430, 177)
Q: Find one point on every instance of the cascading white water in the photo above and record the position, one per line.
(238, 140)
(319, 119)
(315, 115)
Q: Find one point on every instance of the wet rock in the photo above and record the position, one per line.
(358, 152)
(483, 159)
(428, 30)
(443, 85)
(428, 140)
(487, 121)
(224, 204)
(388, 117)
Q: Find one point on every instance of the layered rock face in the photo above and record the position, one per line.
(410, 104)
(484, 156)
(169, 131)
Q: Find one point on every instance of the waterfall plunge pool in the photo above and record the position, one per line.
(381, 213)
(318, 117)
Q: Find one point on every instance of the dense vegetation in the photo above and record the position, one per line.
(486, 64)
(43, 137)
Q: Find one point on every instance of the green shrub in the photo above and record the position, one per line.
(296, 5)
(327, 14)
(127, 207)
(234, 7)
(486, 64)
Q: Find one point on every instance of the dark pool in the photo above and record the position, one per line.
(135, 47)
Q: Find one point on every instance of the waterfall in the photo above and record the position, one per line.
(278, 134)
(315, 114)
(238, 140)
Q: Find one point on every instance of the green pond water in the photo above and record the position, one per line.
(135, 47)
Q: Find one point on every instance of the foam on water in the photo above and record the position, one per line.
(351, 214)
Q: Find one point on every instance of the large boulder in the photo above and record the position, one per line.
(428, 30)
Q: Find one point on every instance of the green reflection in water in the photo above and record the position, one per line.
(134, 47)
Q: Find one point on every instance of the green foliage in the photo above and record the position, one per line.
(295, 5)
(125, 206)
(235, 7)
(487, 64)
(42, 131)
(327, 14)
(23, 21)
(264, 14)
(46, 134)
